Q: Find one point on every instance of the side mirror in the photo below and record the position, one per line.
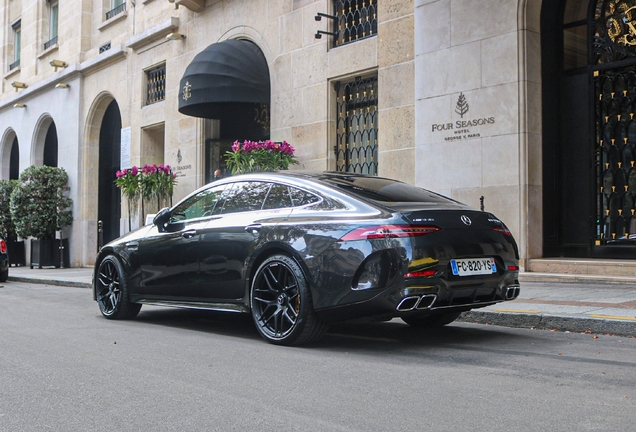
(162, 218)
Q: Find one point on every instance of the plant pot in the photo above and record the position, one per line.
(46, 253)
(15, 250)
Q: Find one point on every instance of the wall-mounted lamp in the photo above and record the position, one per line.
(176, 36)
(19, 105)
(62, 85)
(18, 85)
(319, 17)
(319, 34)
(58, 64)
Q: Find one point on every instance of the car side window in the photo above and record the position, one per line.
(278, 197)
(245, 196)
(199, 205)
(301, 197)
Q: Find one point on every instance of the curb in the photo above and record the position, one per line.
(50, 282)
(552, 322)
(575, 279)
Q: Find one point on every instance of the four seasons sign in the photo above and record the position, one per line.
(462, 129)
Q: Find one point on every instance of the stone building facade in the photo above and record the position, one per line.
(462, 97)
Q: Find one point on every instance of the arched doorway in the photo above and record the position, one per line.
(14, 160)
(50, 146)
(109, 197)
(10, 155)
(45, 144)
(589, 127)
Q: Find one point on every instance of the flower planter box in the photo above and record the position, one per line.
(46, 253)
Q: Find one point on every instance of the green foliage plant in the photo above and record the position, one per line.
(39, 203)
(7, 228)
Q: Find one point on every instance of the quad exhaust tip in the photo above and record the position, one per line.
(416, 302)
(512, 292)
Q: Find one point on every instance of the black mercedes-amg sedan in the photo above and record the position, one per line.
(300, 250)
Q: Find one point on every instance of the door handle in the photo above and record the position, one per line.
(132, 245)
(253, 229)
(188, 234)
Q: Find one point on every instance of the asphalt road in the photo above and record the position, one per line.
(65, 368)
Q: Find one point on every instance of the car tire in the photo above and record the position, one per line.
(4, 275)
(281, 305)
(431, 320)
(112, 292)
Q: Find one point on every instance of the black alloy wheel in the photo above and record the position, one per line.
(111, 291)
(281, 304)
(431, 320)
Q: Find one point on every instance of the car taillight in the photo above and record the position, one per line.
(503, 229)
(424, 273)
(3, 246)
(376, 232)
(513, 268)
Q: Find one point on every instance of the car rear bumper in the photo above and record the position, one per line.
(439, 296)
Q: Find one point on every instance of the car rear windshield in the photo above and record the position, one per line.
(385, 191)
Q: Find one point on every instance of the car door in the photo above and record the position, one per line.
(169, 255)
(227, 242)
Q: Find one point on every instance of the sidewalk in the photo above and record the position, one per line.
(574, 303)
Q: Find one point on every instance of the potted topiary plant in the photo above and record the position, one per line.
(15, 247)
(40, 207)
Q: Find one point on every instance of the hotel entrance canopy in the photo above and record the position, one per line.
(223, 76)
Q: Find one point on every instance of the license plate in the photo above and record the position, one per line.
(473, 266)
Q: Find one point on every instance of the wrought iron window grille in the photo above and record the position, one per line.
(50, 43)
(356, 148)
(156, 85)
(14, 65)
(116, 11)
(355, 20)
(104, 47)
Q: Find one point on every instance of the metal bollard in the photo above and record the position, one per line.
(100, 235)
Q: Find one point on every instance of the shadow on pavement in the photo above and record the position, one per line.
(355, 335)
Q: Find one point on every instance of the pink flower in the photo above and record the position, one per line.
(134, 171)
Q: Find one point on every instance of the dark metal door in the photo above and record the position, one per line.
(615, 156)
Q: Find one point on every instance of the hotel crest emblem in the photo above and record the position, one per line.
(620, 22)
(186, 91)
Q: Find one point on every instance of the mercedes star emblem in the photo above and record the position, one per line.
(466, 220)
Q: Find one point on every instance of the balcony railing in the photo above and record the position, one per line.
(50, 43)
(14, 65)
(116, 11)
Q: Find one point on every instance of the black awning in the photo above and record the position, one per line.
(222, 75)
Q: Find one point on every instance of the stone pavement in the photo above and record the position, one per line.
(575, 303)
